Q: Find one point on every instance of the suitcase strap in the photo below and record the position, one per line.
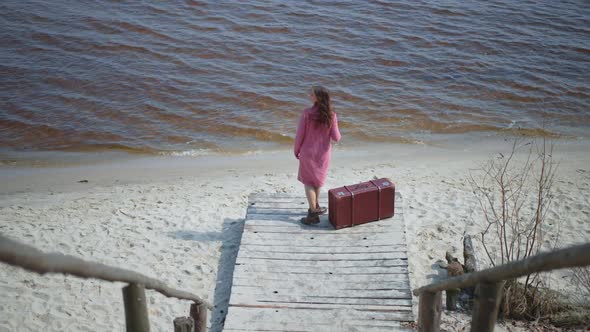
(378, 200)
(351, 205)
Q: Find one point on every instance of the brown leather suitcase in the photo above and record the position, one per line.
(361, 203)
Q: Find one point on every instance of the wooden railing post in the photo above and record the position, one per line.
(136, 314)
(184, 324)
(429, 309)
(199, 314)
(486, 305)
(452, 297)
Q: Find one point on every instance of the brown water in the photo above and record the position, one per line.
(195, 76)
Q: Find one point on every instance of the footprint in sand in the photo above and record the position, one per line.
(38, 308)
(98, 310)
(42, 296)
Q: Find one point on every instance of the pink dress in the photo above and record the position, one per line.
(313, 147)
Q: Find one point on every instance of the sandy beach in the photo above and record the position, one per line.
(180, 220)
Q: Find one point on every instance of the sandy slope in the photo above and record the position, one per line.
(180, 220)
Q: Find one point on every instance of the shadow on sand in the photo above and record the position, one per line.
(230, 236)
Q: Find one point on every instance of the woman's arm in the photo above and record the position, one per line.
(334, 131)
(300, 137)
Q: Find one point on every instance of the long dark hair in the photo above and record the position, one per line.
(323, 105)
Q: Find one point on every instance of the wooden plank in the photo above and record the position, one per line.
(294, 315)
(357, 256)
(278, 212)
(292, 227)
(378, 262)
(403, 327)
(257, 197)
(253, 210)
(326, 306)
(301, 205)
(314, 243)
(273, 281)
(262, 268)
(282, 217)
(324, 200)
(279, 227)
(324, 248)
(294, 222)
(347, 270)
(285, 284)
(362, 280)
(366, 300)
(321, 278)
(332, 263)
(353, 238)
(295, 218)
(324, 327)
(254, 197)
(325, 292)
(320, 266)
(310, 273)
(289, 231)
(293, 200)
(320, 320)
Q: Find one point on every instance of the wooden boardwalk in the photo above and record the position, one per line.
(292, 277)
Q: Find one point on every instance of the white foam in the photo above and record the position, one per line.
(188, 153)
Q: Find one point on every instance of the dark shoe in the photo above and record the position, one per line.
(310, 220)
(322, 210)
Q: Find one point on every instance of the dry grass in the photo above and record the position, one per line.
(543, 305)
(581, 281)
(530, 302)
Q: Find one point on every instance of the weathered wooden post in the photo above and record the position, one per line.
(429, 309)
(470, 261)
(469, 255)
(452, 298)
(184, 324)
(454, 269)
(136, 315)
(199, 314)
(487, 303)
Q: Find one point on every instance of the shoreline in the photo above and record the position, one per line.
(71, 158)
(119, 168)
(179, 219)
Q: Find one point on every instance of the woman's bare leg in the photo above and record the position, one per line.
(317, 198)
(310, 193)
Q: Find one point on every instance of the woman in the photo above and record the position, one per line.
(317, 127)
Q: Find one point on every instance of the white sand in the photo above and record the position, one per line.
(180, 219)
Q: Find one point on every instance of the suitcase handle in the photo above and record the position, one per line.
(360, 186)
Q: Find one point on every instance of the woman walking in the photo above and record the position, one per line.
(318, 126)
